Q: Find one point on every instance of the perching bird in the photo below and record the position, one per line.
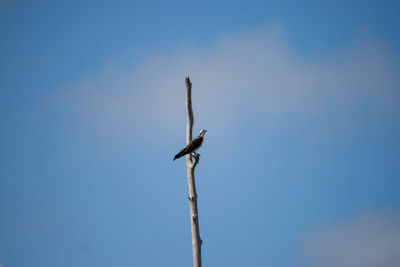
(192, 146)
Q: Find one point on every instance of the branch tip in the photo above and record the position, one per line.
(188, 82)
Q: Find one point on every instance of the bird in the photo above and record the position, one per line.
(192, 146)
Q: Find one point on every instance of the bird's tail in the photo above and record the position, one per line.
(177, 156)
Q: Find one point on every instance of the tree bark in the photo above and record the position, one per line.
(190, 166)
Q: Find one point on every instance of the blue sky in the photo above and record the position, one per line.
(301, 161)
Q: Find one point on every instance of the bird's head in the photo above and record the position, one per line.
(202, 132)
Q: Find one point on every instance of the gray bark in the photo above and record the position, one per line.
(190, 165)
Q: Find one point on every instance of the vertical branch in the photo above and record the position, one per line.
(190, 165)
(190, 119)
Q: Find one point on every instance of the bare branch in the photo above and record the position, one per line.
(190, 119)
(196, 160)
(190, 166)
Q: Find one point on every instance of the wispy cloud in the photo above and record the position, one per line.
(367, 240)
(246, 75)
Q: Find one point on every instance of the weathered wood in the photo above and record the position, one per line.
(190, 166)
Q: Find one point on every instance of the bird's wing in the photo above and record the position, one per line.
(195, 143)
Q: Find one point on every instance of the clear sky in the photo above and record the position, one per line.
(300, 165)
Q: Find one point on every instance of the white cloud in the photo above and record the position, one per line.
(369, 240)
(251, 74)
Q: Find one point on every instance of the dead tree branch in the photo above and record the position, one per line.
(190, 165)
